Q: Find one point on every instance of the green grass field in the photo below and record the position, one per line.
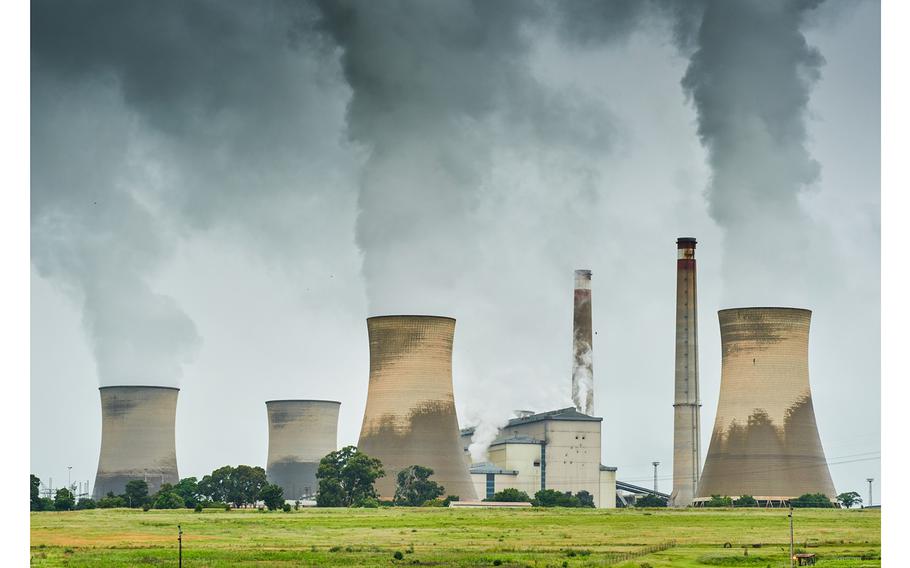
(453, 537)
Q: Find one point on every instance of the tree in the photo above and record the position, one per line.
(511, 495)
(167, 498)
(650, 500)
(553, 498)
(814, 500)
(64, 500)
(272, 495)
(111, 501)
(85, 503)
(238, 485)
(745, 501)
(47, 504)
(586, 499)
(414, 487)
(246, 483)
(35, 504)
(136, 493)
(216, 485)
(346, 478)
(718, 501)
(188, 490)
(849, 499)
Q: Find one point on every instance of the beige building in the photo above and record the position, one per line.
(557, 450)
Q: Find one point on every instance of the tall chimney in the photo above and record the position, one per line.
(686, 402)
(583, 346)
(765, 441)
(410, 413)
(301, 433)
(137, 438)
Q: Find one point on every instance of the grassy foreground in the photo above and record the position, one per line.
(453, 537)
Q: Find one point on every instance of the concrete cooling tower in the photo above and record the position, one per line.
(301, 432)
(137, 438)
(410, 412)
(765, 441)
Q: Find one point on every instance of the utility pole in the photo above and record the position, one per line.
(791, 535)
(870, 480)
(655, 464)
(179, 547)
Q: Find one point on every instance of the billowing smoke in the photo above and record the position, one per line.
(749, 78)
(153, 122)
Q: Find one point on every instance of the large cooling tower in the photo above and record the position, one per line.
(686, 402)
(301, 432)
(410, 412)
(583, 346)
(765, 442)
(137, 438)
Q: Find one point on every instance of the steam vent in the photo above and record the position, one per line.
(137, 438)
(686, 402)
(410, 412)
(583, 346)
(765, 441)
(301, 432)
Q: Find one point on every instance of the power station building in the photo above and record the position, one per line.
(765, 441)
(558, 450)
(301, 433)
(410, 411)
(137, 438)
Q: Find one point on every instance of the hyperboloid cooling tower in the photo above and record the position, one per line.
(410, 412)
(765, 441)
(301, 432)
(137, 438)
(583, 346)
(686, 402)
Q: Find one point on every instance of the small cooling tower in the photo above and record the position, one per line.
(301, 433)
(410, 411)
(137, 438)
(765, 441)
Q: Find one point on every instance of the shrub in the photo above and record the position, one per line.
(398, 555)
(497, 562)
(745, 501)
(286, 507)
(449, 498)
(272, 495)
(718, 501)
(85, 503)
(198, 507)
(815, 500)
(434, 503)
(510, 495)
(146, 506)
(366, 503)
(650, 501)
(553, 498)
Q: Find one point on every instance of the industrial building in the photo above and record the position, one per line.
(559, 450)
(765, 441)
(410, 411)
(301, 433)
(686, 401)
(137, 438)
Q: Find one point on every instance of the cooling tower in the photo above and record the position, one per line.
(583, 346)
(137, 438)
(765, 442)
(686, 403)
(410, 412)
(301, 432)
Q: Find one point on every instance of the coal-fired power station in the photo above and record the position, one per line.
(301, 433)
(686, 402)
(765, 441)
(410, 412)
(583, 346)
(137, 438)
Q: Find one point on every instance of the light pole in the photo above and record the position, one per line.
(870, 480)
(655, 464)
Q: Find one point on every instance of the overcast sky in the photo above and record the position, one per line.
(222, 192)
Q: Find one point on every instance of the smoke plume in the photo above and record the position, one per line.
(153, 122)
(749, 79)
